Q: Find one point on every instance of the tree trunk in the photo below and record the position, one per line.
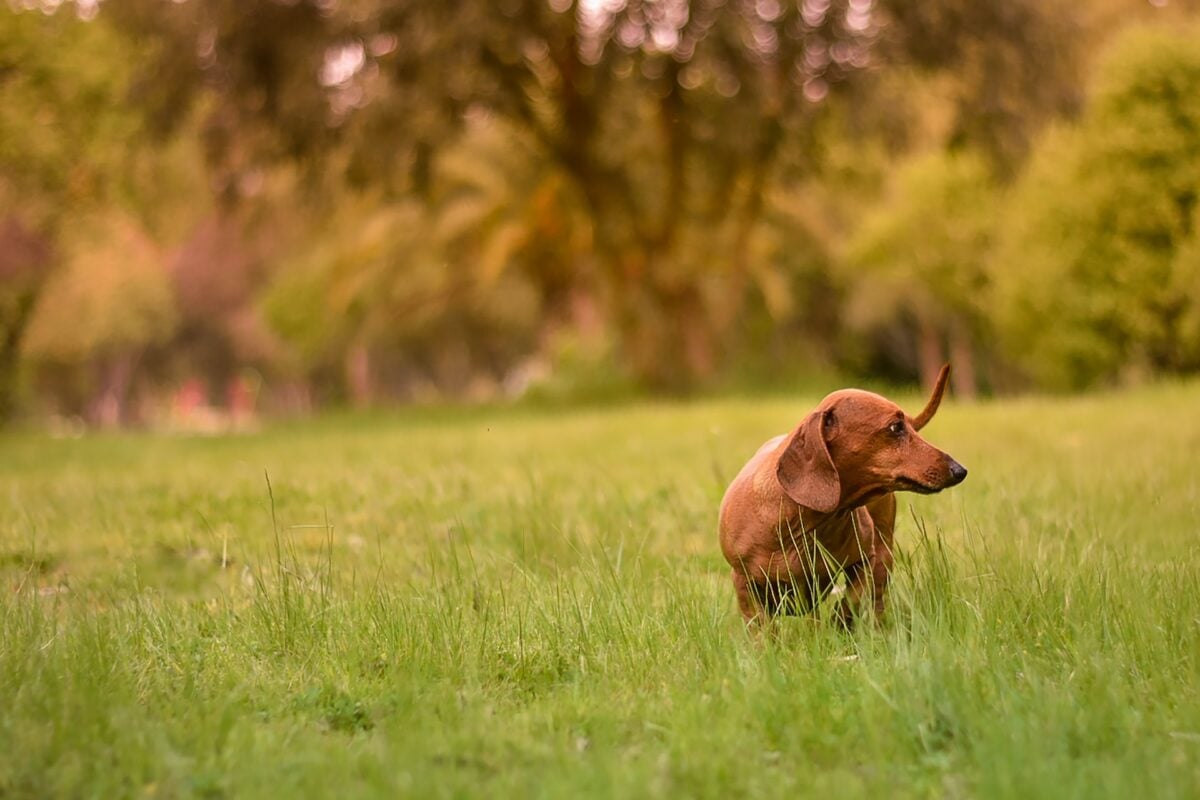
(962, 355)
(8, 374)
(666, 332)
(358, 375)
(107, 409)
(693, 335)
(929, 350)
(10, 351)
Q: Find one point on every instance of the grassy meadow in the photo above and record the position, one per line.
(523, 603)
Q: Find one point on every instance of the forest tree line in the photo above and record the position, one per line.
(319, 202)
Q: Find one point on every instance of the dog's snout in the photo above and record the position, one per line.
(958, 473)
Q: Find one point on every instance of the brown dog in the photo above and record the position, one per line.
(820, 501)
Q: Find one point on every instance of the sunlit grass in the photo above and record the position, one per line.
(524, 604)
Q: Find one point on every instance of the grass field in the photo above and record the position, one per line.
(512, 603)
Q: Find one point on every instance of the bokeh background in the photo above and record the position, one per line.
(216, 210)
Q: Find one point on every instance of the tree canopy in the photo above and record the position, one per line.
(1093, 274)
(358, 200)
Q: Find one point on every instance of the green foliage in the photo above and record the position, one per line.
(1185, 283)
(1003, 68)
(341, 274)
(65, 124)
(76, 174)
(659, 128)
(111, 296)
(431, 199)
(491, 259)
(924, 249)
(462, 604)
(1093, 277)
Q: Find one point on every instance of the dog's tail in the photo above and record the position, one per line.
(935, 399)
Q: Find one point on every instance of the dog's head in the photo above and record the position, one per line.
(857, 445)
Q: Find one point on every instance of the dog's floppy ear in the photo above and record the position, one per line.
(805, 469)
(935, 399)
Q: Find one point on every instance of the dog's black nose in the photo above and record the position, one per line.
(958, 473)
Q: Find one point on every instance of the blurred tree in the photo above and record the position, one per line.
(216, 275)
(370, 284)
(1185, 284)
(63, 116)
(424, 193)
(501, 206)
(333, 296)
(923, 253)
(98, 314)
(667, 117)
(252, 67)
(1092, 275)
(669, 120)
(64, 146)
(1006, 68)
(963, 77)
(24, 265)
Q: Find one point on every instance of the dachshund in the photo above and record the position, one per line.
(820, 501)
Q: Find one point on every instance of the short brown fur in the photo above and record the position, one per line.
(820, 500)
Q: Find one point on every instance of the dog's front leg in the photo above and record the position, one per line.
(867, 581)
(752, 611)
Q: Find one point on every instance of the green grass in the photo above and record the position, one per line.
(511, 603)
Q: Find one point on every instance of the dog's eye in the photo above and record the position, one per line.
(896, 428)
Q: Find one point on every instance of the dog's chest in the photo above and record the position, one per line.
(844, 539)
